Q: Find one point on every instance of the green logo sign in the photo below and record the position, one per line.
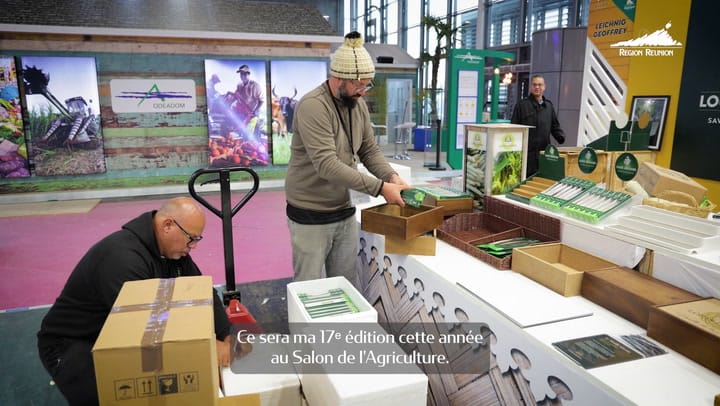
(551, 153)
(587, 160)
(626, 166)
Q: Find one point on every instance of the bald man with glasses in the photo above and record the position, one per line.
(156, 244)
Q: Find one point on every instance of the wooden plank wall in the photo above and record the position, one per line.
(152, 144)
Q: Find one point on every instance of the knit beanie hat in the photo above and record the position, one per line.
(352, 60)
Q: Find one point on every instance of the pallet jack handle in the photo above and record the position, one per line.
(226, 213)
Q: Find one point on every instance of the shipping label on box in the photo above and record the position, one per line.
(158, 345)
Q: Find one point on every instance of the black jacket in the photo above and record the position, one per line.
(544, 118)
(89, 293)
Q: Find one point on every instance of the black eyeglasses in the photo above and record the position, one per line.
(360, 87)
(192, 240)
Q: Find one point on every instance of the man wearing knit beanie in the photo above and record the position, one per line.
(332, 133)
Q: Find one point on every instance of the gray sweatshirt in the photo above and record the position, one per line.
(323, 166)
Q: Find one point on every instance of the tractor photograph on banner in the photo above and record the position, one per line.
(61, 96)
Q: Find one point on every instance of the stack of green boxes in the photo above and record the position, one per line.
(332, 303)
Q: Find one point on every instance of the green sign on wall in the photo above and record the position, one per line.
(466, 71)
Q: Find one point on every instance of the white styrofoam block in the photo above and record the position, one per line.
(298, 314)
(365, 389)
(275, 389)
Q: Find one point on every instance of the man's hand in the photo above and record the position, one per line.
(391, 191)
(223, 352)
(396, 179)
(560, 139)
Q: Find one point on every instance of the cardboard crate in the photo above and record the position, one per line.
(690, 328)
(298, 314)
(404, 223)
(140, 360)
(656, 179)
(630, 294)
(557, 266)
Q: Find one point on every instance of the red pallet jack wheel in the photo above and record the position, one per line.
(238, 314)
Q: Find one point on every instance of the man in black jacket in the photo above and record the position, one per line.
(537, 111)
(155, 244)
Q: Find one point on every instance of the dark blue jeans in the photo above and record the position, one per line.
(70, 364)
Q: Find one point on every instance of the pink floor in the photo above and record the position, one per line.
(38, 253)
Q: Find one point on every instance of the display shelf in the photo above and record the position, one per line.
(670, 230)
(499, 299)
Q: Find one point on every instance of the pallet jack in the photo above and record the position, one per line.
(236, 311)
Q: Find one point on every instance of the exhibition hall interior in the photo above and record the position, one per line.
(554, 238)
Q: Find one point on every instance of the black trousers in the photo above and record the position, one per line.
(70, 364)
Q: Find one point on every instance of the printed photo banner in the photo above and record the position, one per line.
(62, 101)
(289, 81)
(237, 111)
(13, 148)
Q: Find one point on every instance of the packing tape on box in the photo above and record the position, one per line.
(151, 343)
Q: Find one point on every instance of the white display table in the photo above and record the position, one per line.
(698, 273)
(524, 319)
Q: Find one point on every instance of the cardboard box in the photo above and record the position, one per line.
(690, 328)
(557, 266)
(404, 223)
(296, 309)
(630, 294)
(240, 400)
(655, 179)
(158, 345)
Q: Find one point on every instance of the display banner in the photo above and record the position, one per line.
(62, 101)
(697, 131)
(289, 81)
(13, 148)
(610, 22)
(237, 112)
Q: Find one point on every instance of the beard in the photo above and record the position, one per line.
(348, 100)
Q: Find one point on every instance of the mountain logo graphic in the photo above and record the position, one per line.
(659, 38)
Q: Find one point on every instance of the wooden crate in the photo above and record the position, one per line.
(630, 294)
(690, 328)
(612, 181)
(464, 231)
(404, 223)
(451, 206)
(571, 155)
